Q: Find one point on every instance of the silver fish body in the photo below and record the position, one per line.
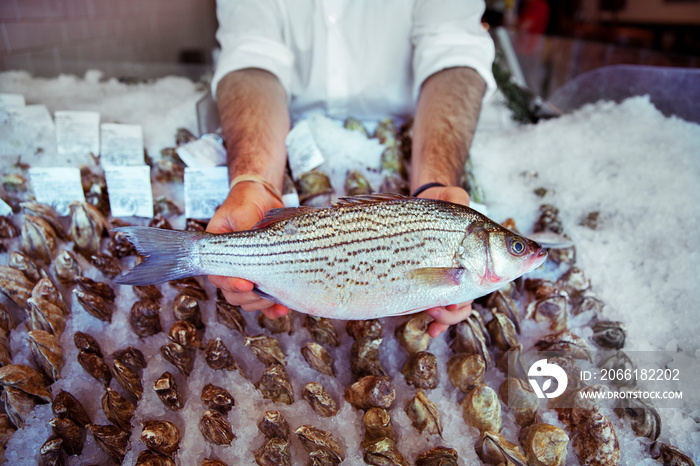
(363, 258)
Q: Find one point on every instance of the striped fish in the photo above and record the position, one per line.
(364, 257)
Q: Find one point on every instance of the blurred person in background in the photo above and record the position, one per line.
(282, 59)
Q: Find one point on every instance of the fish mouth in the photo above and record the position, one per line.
(537, 259)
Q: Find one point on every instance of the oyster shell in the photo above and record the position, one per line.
(544, 444)
(353, 124)
(371, 391)
(424, 414)
(150, 458)
(47, 213)
(230, 316)
(412, 335)
(27, 266)
(275, 452)
(47, 351)
(218, 356)
(358, 329)
(148, 293)
(211, 462)
(42, 315)
(111, 439)
(131, 357)
(315, 440)
(185, 334)
(382, 452)
(438, 456)
(93, 305)
(144, 318)
(7, 229)
(95, 366)
(158, 221)
(502, 331)
(505, 305)
(179, 356)
(521, 399)
(215, 428)
(66, 405)
(70, 433)
(87, 343)
(18, 405)
(595, 441)
(101, 289)
(314, 184)
(38, 239)
(283, 324)
(118, 410)
(378, 424)
(386, 132)
(318, 358)
(15, 285)
(466, 371)
(50, 452)
(86, 227)
(493, 449)
(643, 417)
(45, 289)
(672, 456)
(217, 399)
(421, 370)
(26, 379)
(274, 384)
(608, 334)
(186, 308)
(108, 265)
(128, 379)
(364, 357)
(190, 286)
(319, 399)
(160, 436)
(471, 337)
(574, 282)
(120, 246)
(266, 349)
(567, 342)
(65, 268)
(168, 392)
(357, 184)
(165, 207)
(322, 330)
(273, 424)
(481, 409)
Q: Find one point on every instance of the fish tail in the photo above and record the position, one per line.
(168, 255)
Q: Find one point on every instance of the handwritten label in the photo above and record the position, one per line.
(130, 193)
(11, 100)
(207, 151)
(303, 152)
(77, 134)
(57, 187)
(205, 189)
(34, 118)
(121, 145)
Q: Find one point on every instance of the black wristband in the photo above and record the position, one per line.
(427, 186)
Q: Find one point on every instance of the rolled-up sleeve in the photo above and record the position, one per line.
(447, 34)
(251, 35)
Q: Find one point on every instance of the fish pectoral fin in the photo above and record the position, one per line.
(440, 276)
(269, 297)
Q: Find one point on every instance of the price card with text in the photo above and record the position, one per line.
(302, 150)
(32, 119)
(77, 133)
(205, 189)
(11, 100)
(57, 187)
(121, 145)
(130, 193)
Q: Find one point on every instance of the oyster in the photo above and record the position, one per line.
(565, 341)
(118, 409)
(179, 356)
(266, 349)
(18, 405)
(101, 289)
(95, 366)
(595, 441)
(319, 399)
(192, 224)
(552, 309)
(27, 266)
(574, 282)
(274, 384)
(318, 358)
(87, 343)
(66, 405)
(191, 286)
(211, 462)
(386, 132)
(45, 289)
(412, 335)
(421, 370)
(50, 452)
(588, 302)
(481, 409)
(471, 337)
(358, 329)
(7, 229)
(364, 357)
(66, 268)
(357, 184)
(93, 305)
(353, 124)
(378, 424)
(144, 318)
(544, 444)
(216, 429)
(502, 331)
(38, 238)
(165, 207)
(283, 324)
(111, 439)
(314, 186)
(505, 305)
(186, 307)
(643, 417)
(492, 448)
(275, 452)
(158, 221)
(185, 334)
(424, 414)
(130, 357)
(521, 399)
(86, 227)
(108, 265)
(15, 285)
(273, 424)
(70, 433)
(217, 398)
(466, 371)
(168, 392)
(120, 246)
(160, 436)
(218, 356)
(317, 440)
(230, 316)
(26, 379)
(150, 458)
(47, 352)
(672, 456)
(128, 379)
(148, 293)
(382, 452)
(45, 316)
(438, 456)
(322, 330)
(608, 334)
(371, 391)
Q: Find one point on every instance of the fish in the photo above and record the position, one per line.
(364, 257)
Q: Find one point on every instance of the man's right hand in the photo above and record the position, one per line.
(245, 206)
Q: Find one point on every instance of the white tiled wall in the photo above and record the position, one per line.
(43, 35)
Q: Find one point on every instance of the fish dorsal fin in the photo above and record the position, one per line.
(369, 199)
(282, 213)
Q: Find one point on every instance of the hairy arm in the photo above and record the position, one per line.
(445, 121)
(255, 121)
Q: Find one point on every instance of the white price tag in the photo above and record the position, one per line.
(32, 117)
(207, 151)
(12, 100)
(5, 209)
(57, 187)
(77, 134)
(302, 150)
(130, 193)
(205, 189)
(121, 145)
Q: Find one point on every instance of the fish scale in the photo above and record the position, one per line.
(365, 257)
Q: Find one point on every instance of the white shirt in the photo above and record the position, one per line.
(360, 58)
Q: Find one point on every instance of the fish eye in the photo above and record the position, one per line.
(516, 246)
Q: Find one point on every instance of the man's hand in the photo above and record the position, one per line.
(454, 313)
(245, 206)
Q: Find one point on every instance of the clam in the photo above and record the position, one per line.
(179, 356)
(128, 379)
(148, 293)
(218, 356)
(377, 422)
(95, 366)
(412, 335)
(38, 239)
(86, 227)
(643, 417)
(186, 307)
(382, 452)
(275, 452)
(18, 405)
(216, 429)
(608, 334)
(168, 392)
(266, 349)
(357, 184)
(27, 266)
(131, 357)
(356, 125)
(318, 358)
(493, 449)
(101, 289)
(438, 456)
(317, 440)
(274, 384)
(322, 330)
(160, 436)
(273, 424)
(185, 334)
(144, 318)
(66, 405)
(595, 441)
(26, 379)
(481, 409)
(502, 331)
(424, 414)
(87, 343)
(544, 445)
(47, 351)
(283, 324)
(15, 285)
(371, 391)
(93, 305)
(217, 398)
(108, 265)
(118, 409)
(466, 371)
(521, 399)
(66, 268)
(364, 329)
(70, 433)
(314, 187)
(320, 400)
(364, 358)
(421, 370)
(150, 458)
(50, 452)
(111, 439)
(45, 316)
(230, 316)
(190, 286)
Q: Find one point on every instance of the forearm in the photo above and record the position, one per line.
(255, 121)
(445, 121)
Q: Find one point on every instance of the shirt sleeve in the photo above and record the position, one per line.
(448, 34)
(251, 35)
